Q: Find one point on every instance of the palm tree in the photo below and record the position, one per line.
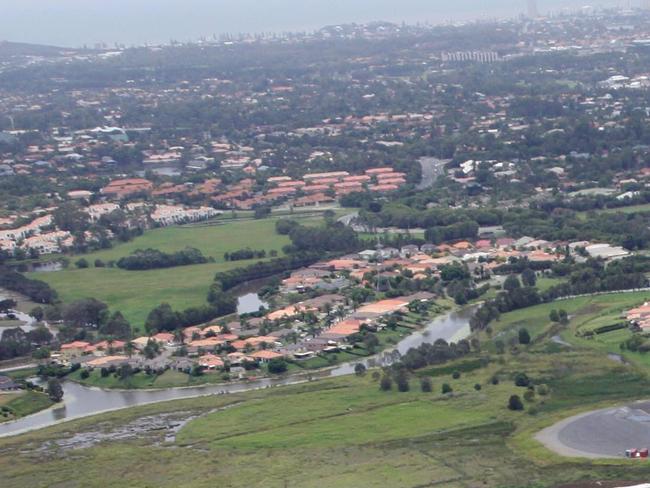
(129, 348)
(179, 336)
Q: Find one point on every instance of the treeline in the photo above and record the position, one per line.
(16, 342)
(594, 277)
(83, 319)
(437, 353)
(330, 238)
(242, 254)
(584, 278)
(227, 280)
(467, 229)
(37, 291)
(164, 318)
(504, 302)
(628, 230)
(403, 216)
(155, 259)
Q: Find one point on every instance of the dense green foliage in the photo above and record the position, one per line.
(155, 259)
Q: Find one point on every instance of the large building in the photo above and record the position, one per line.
(533, 12)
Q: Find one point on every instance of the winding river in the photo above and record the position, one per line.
(81, 401)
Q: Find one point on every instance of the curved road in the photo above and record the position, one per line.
(81, 401)
(605, 433)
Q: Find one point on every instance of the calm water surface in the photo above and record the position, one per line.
(80, 401)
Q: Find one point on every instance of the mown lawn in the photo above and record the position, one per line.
(135, 293)
(169, 379)
(22, 403)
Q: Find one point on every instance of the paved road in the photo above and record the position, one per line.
(432, 168)
(605, 433)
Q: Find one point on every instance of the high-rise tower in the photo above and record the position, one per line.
(533, 13)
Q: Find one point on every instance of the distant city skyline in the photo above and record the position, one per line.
(86, 22)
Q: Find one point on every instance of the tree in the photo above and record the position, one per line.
(116, 326)
(161, 318)
(528, 277)
(359, 369)
(277, 366)
(81, 263)
(515, 403)
(386, 383)
(426, 385)
(446, 388)
(511, 283)
(125, 371)
(6, 305)
(554, 316)
(54, 390)
(38, 313)
(402, 381)
(71, 218)
(524, 336)
(87, 312)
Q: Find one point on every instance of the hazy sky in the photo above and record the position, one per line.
(78, 22)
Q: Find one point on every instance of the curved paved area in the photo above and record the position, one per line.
(605, 433)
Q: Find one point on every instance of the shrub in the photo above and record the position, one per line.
(529, 396)
(84, 374)
(403, 383)
(524, 336)
(477, 387)
(515, 403)
(359, 369)
(425, 385)
(446, 388)
(277, 366)
(455, 375)
(522, 380)
(542, 390)
(386, 384)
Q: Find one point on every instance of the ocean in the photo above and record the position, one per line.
(74, 23)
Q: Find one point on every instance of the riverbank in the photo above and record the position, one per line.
(16, 405)
(82, 401)
(373, 437)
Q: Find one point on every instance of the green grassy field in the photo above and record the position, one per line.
(135, 293)
(169, 379)
(346, 432)
(586, 313)
(341, 432)
(22, 403)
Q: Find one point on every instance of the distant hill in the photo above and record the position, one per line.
(9, 49)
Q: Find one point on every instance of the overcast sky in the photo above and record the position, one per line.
(78, 22)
